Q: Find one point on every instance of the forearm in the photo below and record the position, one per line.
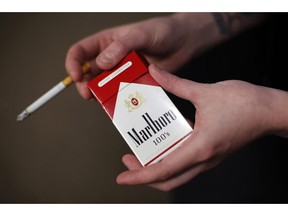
(278, 116)
(205, 30)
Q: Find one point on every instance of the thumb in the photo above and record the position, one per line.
(180, 87)
(119, 48)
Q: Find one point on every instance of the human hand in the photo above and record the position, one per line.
(165, 41)
(229, 115)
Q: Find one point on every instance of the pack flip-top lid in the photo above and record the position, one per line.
(106, 84)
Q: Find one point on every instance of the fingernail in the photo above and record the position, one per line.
(157, 68)
(105, 59)
(109, 55)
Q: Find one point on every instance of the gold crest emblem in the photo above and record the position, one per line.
(134, 101)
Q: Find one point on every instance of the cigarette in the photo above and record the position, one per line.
(50, 94)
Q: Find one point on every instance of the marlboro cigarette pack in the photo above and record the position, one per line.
(140, 109)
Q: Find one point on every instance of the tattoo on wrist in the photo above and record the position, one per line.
(223, 27)
(227, 21)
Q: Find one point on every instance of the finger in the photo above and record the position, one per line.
(186, 176)
(119, 48)
(82, 87)
(74, 59)
(85, 50)
(182, 88)
(131, 162)
(178, 161)
(181, 179)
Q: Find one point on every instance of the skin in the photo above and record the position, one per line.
(229, 114)
(250, 112)
(165, 41)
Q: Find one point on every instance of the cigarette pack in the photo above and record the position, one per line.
(140, 109)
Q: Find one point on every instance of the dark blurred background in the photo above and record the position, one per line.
(257, 172)
(65, 152)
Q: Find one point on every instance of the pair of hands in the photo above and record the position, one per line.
(229, 114)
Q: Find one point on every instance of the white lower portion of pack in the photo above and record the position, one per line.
(149, 121)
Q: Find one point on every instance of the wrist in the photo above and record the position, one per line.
(205, 30)
(200, 30)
